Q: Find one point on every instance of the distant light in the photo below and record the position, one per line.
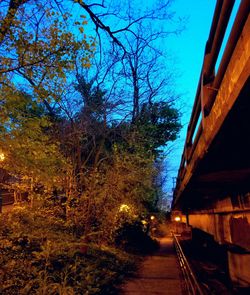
(152, 217)
(2, 157)
(177, 218)
(144, 222)
(124, 208)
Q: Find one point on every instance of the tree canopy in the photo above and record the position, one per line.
(86, 108)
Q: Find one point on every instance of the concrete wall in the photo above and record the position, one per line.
(239, 268)
(228, 222)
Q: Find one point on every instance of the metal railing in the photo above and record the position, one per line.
(191, 283)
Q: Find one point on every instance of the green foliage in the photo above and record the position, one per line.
(38, 53)
(30, 153)
(41, 47)
(157, 125)
(41, 256)
(101, 169)
(132, 237)
(94, 106)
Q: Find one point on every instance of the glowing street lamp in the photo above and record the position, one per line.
(177, 219)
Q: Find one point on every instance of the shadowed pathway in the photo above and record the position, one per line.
(158, 274)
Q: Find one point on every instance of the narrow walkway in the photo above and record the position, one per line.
(159, 274)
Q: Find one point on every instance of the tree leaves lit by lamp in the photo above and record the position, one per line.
(124, 208)
(2, 156)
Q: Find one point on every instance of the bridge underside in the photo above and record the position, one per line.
(213, 183)
(225, 168)
(217, 197)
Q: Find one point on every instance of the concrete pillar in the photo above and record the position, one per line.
(239, 268)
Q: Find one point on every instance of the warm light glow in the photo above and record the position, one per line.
(144, 222)
(2, 157)
(124, 208)
(177, 218)
(152, 217)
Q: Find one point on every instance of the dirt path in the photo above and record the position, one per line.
(159, 273)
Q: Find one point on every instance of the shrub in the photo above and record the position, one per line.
(132, 237)
(41, 256)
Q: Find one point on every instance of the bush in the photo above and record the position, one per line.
(132, 238)
(39, 255)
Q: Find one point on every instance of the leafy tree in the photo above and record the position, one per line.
(157, 124)
(83, 131)
(39, 49)
(126, 180)
(31, 156)
(96, 140)
(38, 53)
(94, 106)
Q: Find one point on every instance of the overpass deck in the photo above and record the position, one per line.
(213, 183)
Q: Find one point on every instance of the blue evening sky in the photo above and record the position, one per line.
(188, 50)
